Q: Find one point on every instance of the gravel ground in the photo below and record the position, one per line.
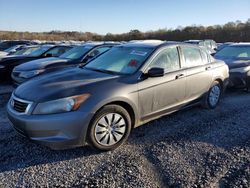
(190, 148)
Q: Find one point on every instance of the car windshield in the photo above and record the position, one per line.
(76, 52)
(234, 52)
(26, 51)
(40, 51)
(120, 60)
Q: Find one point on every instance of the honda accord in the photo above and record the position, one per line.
(99, 103)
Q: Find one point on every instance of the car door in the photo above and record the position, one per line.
(198, 72)
(159, 94)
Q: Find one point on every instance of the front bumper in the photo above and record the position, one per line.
(239, 79)
(57, 131)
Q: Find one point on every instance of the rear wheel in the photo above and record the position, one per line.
(212, 98)
(110, 128)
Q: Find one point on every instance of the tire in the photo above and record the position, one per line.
(109, 128)
(213, 96)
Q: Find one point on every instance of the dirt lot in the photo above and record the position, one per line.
(191, 148)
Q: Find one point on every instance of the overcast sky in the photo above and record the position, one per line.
(117, 16)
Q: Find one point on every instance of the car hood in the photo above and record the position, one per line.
(234, 62)
(3, 53)
(40, 64)
(13, 58)
(60, 84)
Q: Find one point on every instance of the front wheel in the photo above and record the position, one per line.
(212, 98)
(110, 128)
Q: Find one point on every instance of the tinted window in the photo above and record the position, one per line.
(40, 51)
(192, 56)
(235, 52)
(99, 51)
(123, 60)
(168, 59)
(76, 52)
(26, 51)
(57, 51)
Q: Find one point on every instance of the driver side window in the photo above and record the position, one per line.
(168, 59)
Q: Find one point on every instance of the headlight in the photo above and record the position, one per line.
(61, 105)
(2, 67)
(30, 74)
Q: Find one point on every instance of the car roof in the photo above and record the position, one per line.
(240, 44)
(154, 44)
(94, 44)
(192, 40)
(143, 43)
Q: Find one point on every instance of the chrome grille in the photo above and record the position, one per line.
(20, 106)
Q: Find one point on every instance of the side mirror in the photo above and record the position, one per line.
(155, 72)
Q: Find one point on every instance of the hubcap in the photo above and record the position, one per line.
(214, 95)
(110, 129)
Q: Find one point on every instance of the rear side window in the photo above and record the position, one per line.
(192, 56)
(204, 56)
(168, 59)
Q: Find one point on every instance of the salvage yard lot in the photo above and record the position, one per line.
(194, 147)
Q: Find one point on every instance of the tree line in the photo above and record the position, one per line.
(230, 32)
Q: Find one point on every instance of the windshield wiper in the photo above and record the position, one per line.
(104, 71)
(100, 70)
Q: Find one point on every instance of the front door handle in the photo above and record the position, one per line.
(208, 67)
(179, 76)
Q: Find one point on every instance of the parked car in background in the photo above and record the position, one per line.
(237, 57)
(26, 50)
(9, 62)
(78, 55)
(223, 45)
(11, 50)
(129, 85)
(8, 44)
(209, 44)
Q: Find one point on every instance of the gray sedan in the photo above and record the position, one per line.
(101, 102)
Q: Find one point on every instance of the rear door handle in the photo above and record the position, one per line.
(208, 67)
(179, 76)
